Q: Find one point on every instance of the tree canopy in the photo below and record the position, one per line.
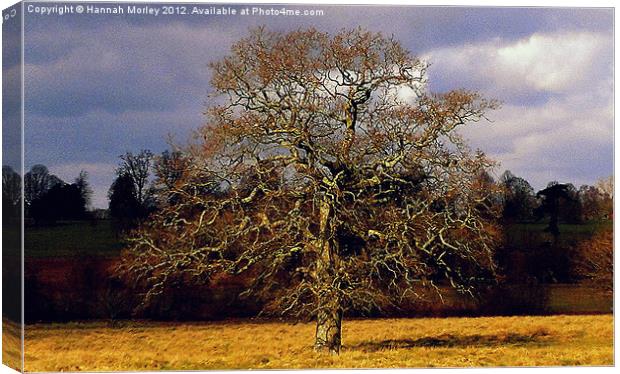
(331, 176)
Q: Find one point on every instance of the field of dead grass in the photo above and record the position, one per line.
(11, 344)
(376, 343)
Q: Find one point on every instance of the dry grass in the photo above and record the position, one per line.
(380, 343)
(11, 344)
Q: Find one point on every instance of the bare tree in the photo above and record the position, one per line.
(519, 198)
(11, 195)
(11, 187)
(37, 182)
(138, 168)
(594, 260)
(328, 176)
(606, 188)
(169, 169)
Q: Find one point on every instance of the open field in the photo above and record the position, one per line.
(98, 238)
(11, 344)
(385, 343)
(71, 239)
(530, 235)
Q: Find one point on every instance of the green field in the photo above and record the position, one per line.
(100, 239)
(529, 235)
(69, 239)
(55, 252)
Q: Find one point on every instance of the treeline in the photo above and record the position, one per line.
(144, 180)
(144, 183)
(47, 198)
(133, 195)
(558, 202)
(560, 234)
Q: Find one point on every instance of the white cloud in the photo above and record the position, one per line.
(557, 119)
(554, 63)
(551, 62)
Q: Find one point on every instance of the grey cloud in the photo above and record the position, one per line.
(102, 136)
(121, 68)
(557, 118)
(99, 86)
(98, 138)
(569, 139)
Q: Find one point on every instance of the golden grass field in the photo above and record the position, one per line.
(380, 343)
(11, 344)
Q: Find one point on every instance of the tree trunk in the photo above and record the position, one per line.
(329, 328)
(329, 315)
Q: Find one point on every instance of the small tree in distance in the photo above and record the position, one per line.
(319, 179)
(124, 206)
(605, 186)
(138, 169)
(594, 260)
(11, 192)
(130, 195)
(83, 186)
(37, 182)
(519, 198)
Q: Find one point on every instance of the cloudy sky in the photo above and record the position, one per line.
(97, 86)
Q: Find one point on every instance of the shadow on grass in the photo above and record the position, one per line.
(450, 341)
